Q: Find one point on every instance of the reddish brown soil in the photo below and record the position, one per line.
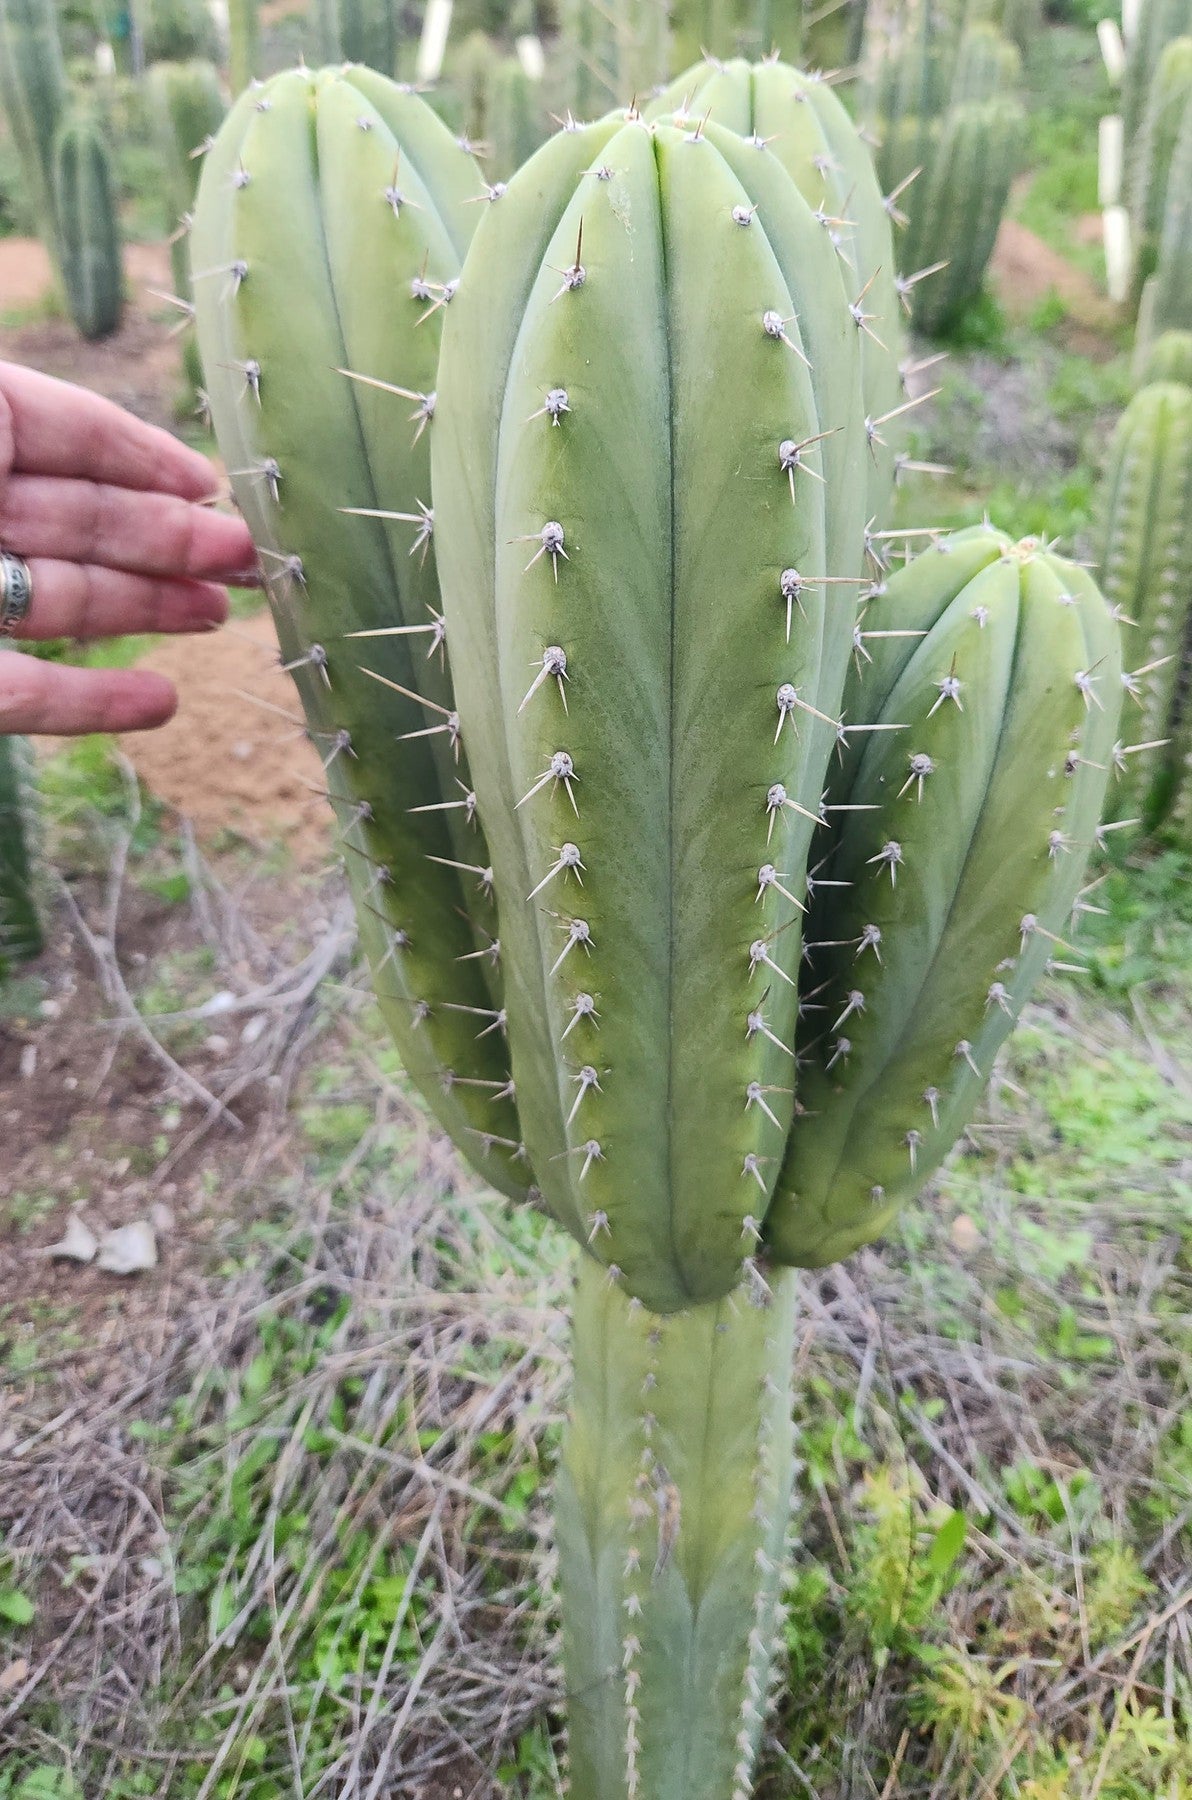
(230, 765)
(1025, 271)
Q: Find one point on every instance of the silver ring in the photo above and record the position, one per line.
(16, 592)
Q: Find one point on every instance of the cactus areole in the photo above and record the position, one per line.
(703, 860)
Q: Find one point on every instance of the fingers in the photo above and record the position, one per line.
(66, 702)
(148, 534)
(50, 427)
(78, 600)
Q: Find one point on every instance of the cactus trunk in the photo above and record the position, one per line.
(672, 1505)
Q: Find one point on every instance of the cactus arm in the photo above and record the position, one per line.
(263, 237)
(1145, 560)
(672, 1504)
(480, 332)
(1015, 786)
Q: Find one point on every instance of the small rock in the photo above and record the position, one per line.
(254, 1028)
(14, 1675)
(78, 1241)
(217, 1044)
(28, 1063)
(965, 1236)
(128, 1250)
(161, 1218)
(223, 1002)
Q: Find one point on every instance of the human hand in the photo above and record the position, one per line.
(107, 512)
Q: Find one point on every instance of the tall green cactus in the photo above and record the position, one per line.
(33, 93)
(950, 130)
(88, 225)
(1158, 22)
(1145, 561)
(1167, 357)
(244, 43)
(1167, 298)
(175, 31)
(1152, 150)
(649, 461)
(348, 283)
(21, 935)
(186, 106)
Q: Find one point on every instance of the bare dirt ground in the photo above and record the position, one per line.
(227, 764)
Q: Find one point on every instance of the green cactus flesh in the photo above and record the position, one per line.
(1170, 288)
(293, 288)
(88, 226)
(986, 66)
(976, 800)
(672, 1503)
(799, 120)
(244, 43)
(1145, 560)
(1158, 23)
(678, 538)
(20, 923)
(1165, 358)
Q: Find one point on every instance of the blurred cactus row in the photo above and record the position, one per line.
(704, 848)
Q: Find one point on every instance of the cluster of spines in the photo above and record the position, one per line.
(371, 671)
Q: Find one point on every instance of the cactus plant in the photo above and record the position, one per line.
(21, 934)
(33, 91)
(1167, 296)
(186, 106)
(950, 128)
(368, 33)
(809, 133)
(499, 105)
(176, 31)
(88, 227)
(649, 528)
(1145, 561)
(244, 43)
(1157, 23)
(1167, 357)
(1151, 153)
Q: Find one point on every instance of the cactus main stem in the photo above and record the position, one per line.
(672, 1507)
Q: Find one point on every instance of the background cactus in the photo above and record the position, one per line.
(1156, 23)
(88, 226)
(176, 31)
(34, 94)
(950, 129)
(649, 523)
(21, 934)
(1145, 560)
(244, 47)
(1167, 101)
(1167, 298)
(187, 108)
